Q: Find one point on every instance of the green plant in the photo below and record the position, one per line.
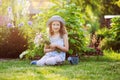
(115, 28)
(36, 47)
(73, 18)
(105, 33)
(89, 51)
(111, 35)
(4, 33)
(34, 53)
(76, 33)
(111, 55)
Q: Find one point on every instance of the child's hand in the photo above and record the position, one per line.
(58, 50)
(53, 46)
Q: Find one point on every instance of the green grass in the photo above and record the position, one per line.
(89, 68)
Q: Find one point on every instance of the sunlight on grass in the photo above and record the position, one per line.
(112, 55)
(86, 70)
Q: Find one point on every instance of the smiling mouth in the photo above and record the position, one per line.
(56, 28)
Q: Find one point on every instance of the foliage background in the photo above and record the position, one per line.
(83, 18)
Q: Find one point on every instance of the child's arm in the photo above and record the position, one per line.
(48, 49)
(65, 48)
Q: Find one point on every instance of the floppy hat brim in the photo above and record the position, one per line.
(55, 18)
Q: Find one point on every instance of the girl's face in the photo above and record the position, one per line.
(55, 26)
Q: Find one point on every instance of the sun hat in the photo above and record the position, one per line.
(56, 18)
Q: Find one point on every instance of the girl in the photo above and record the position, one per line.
(59, 41)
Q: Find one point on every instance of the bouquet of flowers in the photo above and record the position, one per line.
(41, 39)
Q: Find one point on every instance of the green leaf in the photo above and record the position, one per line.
(70, 51)
(72, 41)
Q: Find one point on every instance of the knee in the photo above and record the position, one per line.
(50, 62)
(58, 59)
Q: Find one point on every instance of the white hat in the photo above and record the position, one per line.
(56, 18)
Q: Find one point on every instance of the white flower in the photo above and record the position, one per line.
(41, 39)
(38, 39)
(22, 55)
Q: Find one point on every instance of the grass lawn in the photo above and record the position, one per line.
(105, 67)
(87, 69)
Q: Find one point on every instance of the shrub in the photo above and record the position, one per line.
(111, 36)
(34, 53)
(3, 34)
(73, 18)
(76, 33)
(13, 44)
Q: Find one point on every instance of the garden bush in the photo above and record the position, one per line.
(74, 25)
(30, 29)
(76, 33)
(12, 42)
(111, 37)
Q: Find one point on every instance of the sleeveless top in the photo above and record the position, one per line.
(59, 41)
